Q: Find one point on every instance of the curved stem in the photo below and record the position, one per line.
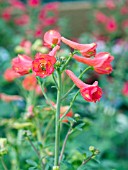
(57, 123)
(64, 144)
(3, 163)
(71, 103)
(74, 84)
(46, 97)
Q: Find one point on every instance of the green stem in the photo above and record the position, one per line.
(57, 123)
(3, 163)
(74, 84)
(68, 60)
(71, 103)
(48, 127)
(64, 144)
(46, 97)
(36, 151)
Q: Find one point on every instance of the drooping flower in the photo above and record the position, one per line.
(9, 98)
(86, 50)
(33, 3)
(30, 82)
(52, 38)
(22, 64)
(10, 75)
(101, 63)
(43, 65)
(125, 89)
(90, 93)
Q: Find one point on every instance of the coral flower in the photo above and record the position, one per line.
(22, 20)
(9, 98)
(110, 4)
(101, 62)
(33, 3)
(86, 50)
(30, 82)
(90, 93)
(52, 38)
(10, 75)
(125, 89)
(43, 65)
(22, 64)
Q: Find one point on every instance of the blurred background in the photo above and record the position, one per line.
(105, 123)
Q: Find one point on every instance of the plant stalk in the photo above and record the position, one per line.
(57, 123)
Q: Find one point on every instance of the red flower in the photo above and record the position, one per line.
(10, 75)
(6, 14)
(17, 4)
(101, 17)
(86, 50)
(124, 10)
(26, 45)
(90, 93)
(51, 38)
(125, 24)
(101, 62)
(43, 65)
(22, 64)
(33, 3)
(111, 25)
(125, 89)
(110, 4)
(9, 98)
(22, 20)
(30, 82)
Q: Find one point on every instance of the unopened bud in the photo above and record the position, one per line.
(56, 168)
(92, 148)
(19, 49)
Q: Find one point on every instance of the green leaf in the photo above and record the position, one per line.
(31, 162)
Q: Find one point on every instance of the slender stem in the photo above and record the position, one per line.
(46, 97)
(54, 78)
(87, 160)
(64, 66)
(64, 144)
(74, 84)
(71, 103)
(48, 127)
(3, 163)
(36, 151)
(57, 123)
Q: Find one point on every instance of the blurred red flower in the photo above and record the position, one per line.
(101, 17)
(9, 98)
(111, 25)
(10, 75)
(30, 82)
(125, 89)
(33, 3)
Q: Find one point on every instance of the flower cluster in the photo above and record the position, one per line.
(43, 65)
(22, 15)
